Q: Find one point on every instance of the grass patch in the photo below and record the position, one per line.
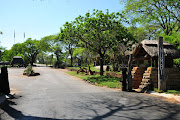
(98, 80)
(175, 92)
(80, 75)
(92, 68)
(156, 90)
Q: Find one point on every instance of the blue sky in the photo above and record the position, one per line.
(42, 18)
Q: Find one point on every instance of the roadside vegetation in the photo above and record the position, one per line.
(98, 80)
(174, 92)
(101, 37)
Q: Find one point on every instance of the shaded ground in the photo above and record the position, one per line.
(54, 95)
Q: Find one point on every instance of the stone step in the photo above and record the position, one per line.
(146, 74)
(145, 80)
(146, 77)
(139, 90)
(141, 86)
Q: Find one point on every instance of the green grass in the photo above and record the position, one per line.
(175, 92)
(80, 75)
(98, 80)
(95, 69)
(92, 68)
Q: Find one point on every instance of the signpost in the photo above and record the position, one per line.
(130, 81)
(161, 63)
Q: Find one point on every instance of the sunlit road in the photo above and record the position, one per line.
(55, 95)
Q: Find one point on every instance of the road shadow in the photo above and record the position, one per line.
(130, 107)
(18, 115)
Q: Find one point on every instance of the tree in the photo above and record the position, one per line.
(31, 50)
(18, 49)
(52, 45)
(138, 32)
(162, 13)
(101, 31)
(7, 55)
(68, 36)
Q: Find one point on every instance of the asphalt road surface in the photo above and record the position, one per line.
(55, 95)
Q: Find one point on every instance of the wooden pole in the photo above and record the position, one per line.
(161, 62)
(151, 62)
(124, 77)
(130, 81)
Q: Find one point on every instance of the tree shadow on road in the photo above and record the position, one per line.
(129, 107)
(18, 115)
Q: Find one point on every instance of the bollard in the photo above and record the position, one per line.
(4, 81)
(124, 77)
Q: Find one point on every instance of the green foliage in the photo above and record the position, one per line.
(60, 64)
(7, 55)
(31, 50)
(29, 70)
(138, 32)
(159, 91)
(162, 13)
(102, 31)
(174, 38)
(68, 36)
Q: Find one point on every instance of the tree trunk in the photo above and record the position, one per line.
(71, 60)
(101, 64)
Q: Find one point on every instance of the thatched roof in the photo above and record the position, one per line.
(17, 60)
(151, 47)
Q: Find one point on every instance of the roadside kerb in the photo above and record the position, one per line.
(177, 98)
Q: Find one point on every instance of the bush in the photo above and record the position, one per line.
(29, 70)
(60, 64)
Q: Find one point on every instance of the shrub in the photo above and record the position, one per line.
(29, 70)
(60, 64)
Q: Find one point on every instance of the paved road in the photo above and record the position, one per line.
(54, 96)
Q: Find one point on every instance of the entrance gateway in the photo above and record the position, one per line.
(145, 72)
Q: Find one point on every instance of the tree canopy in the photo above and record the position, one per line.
(102, 31)
(162, 13)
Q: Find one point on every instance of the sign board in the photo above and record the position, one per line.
(161, 58)
(161, 63)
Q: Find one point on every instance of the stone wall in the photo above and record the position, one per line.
(137, 75)
(150, 76)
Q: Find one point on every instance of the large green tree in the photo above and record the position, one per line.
(68, 36)
(162, 13)
(102, 31)
(52, 45)
(32, 49)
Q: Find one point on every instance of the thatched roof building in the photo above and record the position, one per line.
(17, 60)
(148, 50)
